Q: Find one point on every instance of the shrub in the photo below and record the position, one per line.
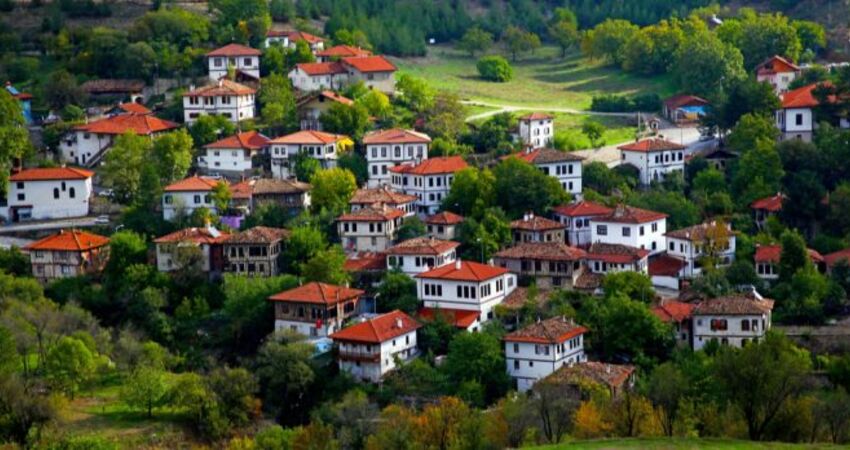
(495, 68)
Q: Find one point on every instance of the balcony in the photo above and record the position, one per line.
(354, 355)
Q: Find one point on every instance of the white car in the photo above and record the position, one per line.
(102, 220)
(106, 193)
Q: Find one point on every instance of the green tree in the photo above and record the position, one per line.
(707, 65)
(304, 242)
(681, 212)
(397, 291)
(282, 10)
(483, 237)
(495, 68)
(286, 373)
(354, 37)
(758, 173)
(246, 308)
(13, 135)
(140, 61)
(634, 285)
(666, 388)
(563, 29)
(794, 256)
(811, 34)
(594, 132)
(122, 166)
(477, 357)
(61, 89)
(332, 189)
(278, 103)
(14, 262)
(70, 364)
(221, 196)
(475, 40)
(412, 227)
(327, 266)
(350, 120)
(761, 36)
(305, 165)
(517, 40)
(172, 156)
(145, 389)
(521, 187)
(749, 130)
(376, 103)
(355, 163)
(210, 128)
(608, 39)
(126, 248)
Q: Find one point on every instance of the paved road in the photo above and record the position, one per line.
(8, 242)
(80, 222)
(688, 136)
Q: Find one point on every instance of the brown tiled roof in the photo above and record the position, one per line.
(545, 156)
(630, 214)
(550, 331)
(141, 124)
(734, 305)
(536, 116)
(223, 87)
(249, 140)
(444, 218)
(673, 311)
(318, 293)
(376, 213)
(112, 85)
(378, 329)
(696, 233)
(536, 223)
(366, 262)
(309, 137)
(611, 375)
(194, 234)
(582, 209)
(258, 235)
(73, 240)
(235, 50)
(519, 297)
(651, 145)
(772, 204)
(546, 251)
(588, 280)
(396, 136)
(277, 186)
(464, 271)
(615, 253)
(422, 246)
(380, 195)
(665, 265)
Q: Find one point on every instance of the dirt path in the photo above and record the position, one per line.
(513, 108)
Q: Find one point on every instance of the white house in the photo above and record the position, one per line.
(693, 244)
(315, 309)
(376, 72)
(86, 144)
(536, 351)
(369, 349)
(233, 156)
(429, 181)
(767, 258)
(244, 60)
(631, 226)
(654, 158)
(375, 197)
(311, 107)
(48, 193)
(175, 249)
(444, 225)
(576, 217)
(221, 98)
(288, 39)
(321, 146)
(778, 72)
(563, 166)
(187, 195)
(309, 77)
(371, 229)
(67, 254)
(536, 129)
(796, 117)
(388, 148)
(612, 258)
(732, 320)
(472, 288)
(421, 254)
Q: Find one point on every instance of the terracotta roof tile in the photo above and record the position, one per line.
(615, 253)
(773, 253)
(309, 137)
(536, 116)
(673, 311)
(73, 240)
(422, 246)
(545, 156)
(536, 223)
(582, 209)
(343, 51)
(444, 218)
(630, 214)
(464, 271)
(380, 195)
(235, 50)
(665, 265)
(612, 376)
(368, 64)
(519, 297)
(197, 235)
(460, 318)
(52, 173)
(588, 280)
(776, 64)
(134, 108)
(433, 166)
(547, 251)
(396, 136)
(772, 204)
(330, 95)
(696, 233)
(194, 184)
(223, 87)
(378, 329)
(651, 145)
(249, 140)
(734, 305)
(834, 258)
(375, 213)
(321, 68)
(318, 293)
(550, 331)
(258, 235)
(295, 36)
(137, 123)
(366, 262)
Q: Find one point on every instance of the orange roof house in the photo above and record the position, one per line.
(444, 218)
(369, 64)
(235, 50)
(141, 124)
(582, 209)
(67, 253)
(432, 166)
(317, 293)
(651, 145)
(194, 184)
(464, 271)
(342, 51)
(555, 330)
(51, 173)
(378, 329)
(249, 140)
(69, 241)
(395, 136)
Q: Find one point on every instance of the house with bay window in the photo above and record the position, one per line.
(225, 98)
(369, 349)
(536, 351)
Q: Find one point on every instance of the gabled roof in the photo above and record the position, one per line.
(773, 253)
(776, 64)
(629, 214)
(198, 235)
(241, 190)
(834, 258)
(141, 124)
(665, 265)
(532, 222)
(330, 95)
(544, 156)
(295, 36)
(378, 329)
(433, 166)
(396, 136)
(673, 311)
(422, 246)
(651, 145)
(277, 186)
(249, 140)
(679, 100)
(616, 253)
(342, 51)
(309, 137)
(444, 218)
(318, 293)
(258, 235)
(802, 97)
(73, 240)
(519, 297)
(372, 213)
(367, 64)
(52, 173)
(380, 195)
(582, 209)
(464, 271)
(772, 203)
(135, 108)
(16, 93)
(222, 87)
(235, 50)
(734, 305)
(194, 184)
(460, 318)
(546, 251)
(536, 116)
(550, 331)
(696, 233)
(321, 68)
(366, 262)
(613, 376)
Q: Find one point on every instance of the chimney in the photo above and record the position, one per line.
(607, 368)
(399, 323)
(457, 264)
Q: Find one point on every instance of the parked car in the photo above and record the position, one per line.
(102, 220)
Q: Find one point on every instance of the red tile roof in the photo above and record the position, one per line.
(295, 36)
(545, 251)
(615, 253)
(422, 246)
(135, 108)
(375, 213)
(249, 140)
(535, 223)
(396, 136)
(433, 166)
(321, 68)
(194, 184)
(834, 258)
(464, 271)
(52, 173)
(773, 253)
(665, 265)
(366, 261)
(772, 204)
(235, 50)
(73, 240)
(460, 318)
(776, 64)
(673, 311)
(318, 293)
(309, 137)
(444, 218)
(370, 64)
(800, 98)
(582, 209)
(630, 214)
(195, 234)
(343, 51)
(378, 329)
(259, 235)
(223, 87)
(330, 95)
(536, 116)
(679, 100)
(137, 123)
(242, 190)
(651, 145)
(550, 331)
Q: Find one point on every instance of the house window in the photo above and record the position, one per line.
(798, 119)
(719, 325)
(602, 230)
(627, 231)
(72, 192)
(745, 325)
(516, 364)
(55, 192)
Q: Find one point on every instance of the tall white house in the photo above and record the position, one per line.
(369, 349)
(48, 193)
(576, 220)
(388, 148)
(709, 243)
(244, 60)
(421, 254)
(221, 98)
(429, 181)
(631, 226)
(536, 351)
(778, 72)
(234, 155)
(87, 144)
(654, 158)
(185, 196)
(536, 129)
(321, 146)
(376, 197)
(734, 320)
(465, 286)
(796, 116)
(563, 166)
(288, 39)
(370, 229)
(315, 309)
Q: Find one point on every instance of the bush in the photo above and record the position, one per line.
(624, 103)
(495, 68)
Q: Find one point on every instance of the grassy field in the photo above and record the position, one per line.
(681, 444)
(542, 79)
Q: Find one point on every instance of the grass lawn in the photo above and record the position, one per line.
(542, 79)
(680, 444)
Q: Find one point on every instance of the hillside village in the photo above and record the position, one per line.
(278, 237)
